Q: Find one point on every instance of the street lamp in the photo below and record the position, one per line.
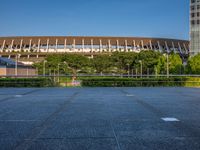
(128, 70)
(44, 71)
(140, 61)
(167, 65)
(58, 72)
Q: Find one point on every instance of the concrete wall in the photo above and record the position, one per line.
(20, 71)
(2, 71)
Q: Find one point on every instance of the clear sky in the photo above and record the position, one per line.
(150, 18)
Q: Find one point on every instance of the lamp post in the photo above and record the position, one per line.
(58, 73)
(140, 61)
(128, 70)
(136, 71)
(44, 71)
(167, 65)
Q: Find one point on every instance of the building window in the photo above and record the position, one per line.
(192, 15)
(192, 22)
(192, 8)
(192, 1)
(198, 21)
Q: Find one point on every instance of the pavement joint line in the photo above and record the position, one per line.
(115, 136)
(114, 133)
(30, 92)
(37, 131)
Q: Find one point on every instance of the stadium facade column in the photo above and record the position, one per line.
(109, 46)
(21, 43)
(92, 45)
(180, 49)
(100, 45)
(126, 46)
(47, 46)
(65, 45)
(117, 41)
(74, 44)
(159, 47)
(142, 42)
(173, 46)
(3, 46)
(166, 45)
(134, 45)
(30, 42)
(186, 50)
(83, 45)
(38, 50)
(151, 47)
(56, 45)
(11, 46)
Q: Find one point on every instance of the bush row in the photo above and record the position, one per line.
(146, 82)
(26, 82)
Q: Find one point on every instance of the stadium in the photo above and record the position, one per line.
(33, 48)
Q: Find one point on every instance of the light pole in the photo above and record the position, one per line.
(128, 70)
(140, 61)
(58, 72)
(167, 65)
(44, 71)
(136, 71)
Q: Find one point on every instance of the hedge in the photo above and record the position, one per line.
(26, 82)
(145, 82)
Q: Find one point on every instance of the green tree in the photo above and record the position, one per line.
(124, 61)
(77, 63)
(174, 62)
(193, 66)
(102, 63)
(149, 59)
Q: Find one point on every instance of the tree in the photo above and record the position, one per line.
(149, 59)
(175, 64)
(124, 61)
(102, 63)
(76, 62)
(193, 66)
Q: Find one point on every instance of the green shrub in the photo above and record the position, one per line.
(145, 82)
(26, 82)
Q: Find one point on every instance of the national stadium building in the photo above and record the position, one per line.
(40, 46)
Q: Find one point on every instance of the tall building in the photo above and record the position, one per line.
(194, 27)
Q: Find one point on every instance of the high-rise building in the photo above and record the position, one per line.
(194, 27)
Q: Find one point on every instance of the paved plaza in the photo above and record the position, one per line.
(99, 119)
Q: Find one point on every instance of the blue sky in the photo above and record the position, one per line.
(150, 18)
